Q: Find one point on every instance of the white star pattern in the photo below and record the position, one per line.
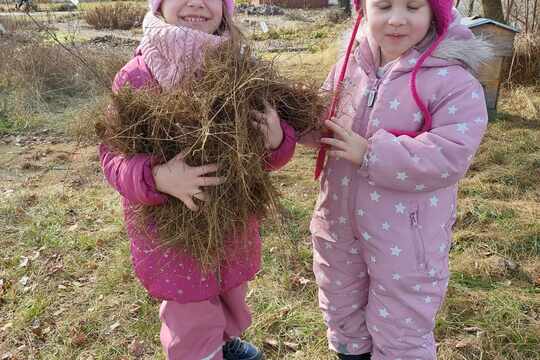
(375, 196)
(342, 220)
(462, 128)
(385, 226)
(402, 175)
(366, 236)
(416, 287)
(396, 140)
(452, 110)
(328, 245)
(415, 158)
(373, 158)
(400, 208)
(427, 299)
(417, 117)
(366, 92)
(353, 251)
(396, 276)
(334, 197)
(376, 122)
(432, 272)
(475, 95)
(434, 201)
(394, 104)
(381, 287)
(360, 212)
(445, 174)
(384, 313)
(442, 247)
(375, 328)
(373, 259)
(395, 250)
(420, 187)
(443, 72)
(345, 181)
(412, 61)
(479, 120)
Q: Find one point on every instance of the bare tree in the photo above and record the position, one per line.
(493, 9)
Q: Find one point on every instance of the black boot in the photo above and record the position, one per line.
(366, 356)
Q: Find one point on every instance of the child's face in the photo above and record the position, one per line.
(397, 25)
(202, 15)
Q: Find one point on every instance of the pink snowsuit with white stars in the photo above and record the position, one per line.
(381, 232)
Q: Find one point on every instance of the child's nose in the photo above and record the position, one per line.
(195, 3)
(396, 19)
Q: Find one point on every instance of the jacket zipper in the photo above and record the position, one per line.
(419, 243)
(373, 93)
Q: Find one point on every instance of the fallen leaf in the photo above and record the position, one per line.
(24, 280)
(136, 348)
(24, 262)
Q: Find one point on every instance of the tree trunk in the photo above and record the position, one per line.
(346, 6)
(493, 9)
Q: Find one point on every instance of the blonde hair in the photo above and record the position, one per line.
(228, 26)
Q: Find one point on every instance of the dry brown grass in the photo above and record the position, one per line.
(525, 67)
(121, 16)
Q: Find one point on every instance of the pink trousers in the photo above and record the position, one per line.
(197, 331)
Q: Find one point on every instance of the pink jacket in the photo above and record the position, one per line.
(405, 182)
(168, 274)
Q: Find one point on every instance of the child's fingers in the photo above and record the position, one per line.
(188, 201)
(205, 169)
(201, 196)
(335, 143)
(182, 154)
(337, 129)
(337, 153)
(210, 181)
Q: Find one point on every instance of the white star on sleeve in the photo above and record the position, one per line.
(462, 128)
(400, 208)
(396, 250)
(402, 175)
(385, 226)
(366, 236)
(434, 201)
(394, 104)
(420, 187)
(375, 196)
(417, 117)
(452, 110)
(384, 313)
(443, 72)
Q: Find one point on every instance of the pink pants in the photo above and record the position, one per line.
(197, 331)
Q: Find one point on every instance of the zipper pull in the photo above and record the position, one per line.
(371, 97)
(414, 219)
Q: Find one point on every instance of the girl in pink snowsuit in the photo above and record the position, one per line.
(409, 120)
(202, 314)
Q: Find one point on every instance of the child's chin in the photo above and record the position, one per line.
(202, 26)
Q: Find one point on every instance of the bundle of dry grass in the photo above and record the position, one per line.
(525, 68)
(211, 117)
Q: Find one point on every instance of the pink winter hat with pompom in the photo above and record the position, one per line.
(155, 4)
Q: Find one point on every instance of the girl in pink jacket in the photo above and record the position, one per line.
(202, 314)
(409, 120)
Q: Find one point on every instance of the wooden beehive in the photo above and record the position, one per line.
(502, 37)
(303, 4)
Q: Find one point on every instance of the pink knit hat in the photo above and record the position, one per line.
(155, 4)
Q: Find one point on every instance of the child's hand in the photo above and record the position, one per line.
(270, 125)
(349, 144)
(182, 181)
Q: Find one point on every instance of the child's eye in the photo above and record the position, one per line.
(412, 8)
(384, 7)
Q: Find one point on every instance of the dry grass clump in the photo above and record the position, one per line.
(525, 68)
(120, 16)
(211, 117)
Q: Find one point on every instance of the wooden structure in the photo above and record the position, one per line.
(303, 4)
(502, 37)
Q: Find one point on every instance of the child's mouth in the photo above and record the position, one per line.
(194, 19)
